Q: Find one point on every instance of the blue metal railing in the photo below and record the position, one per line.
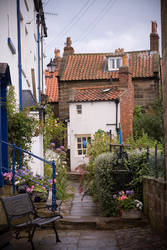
(51, 163)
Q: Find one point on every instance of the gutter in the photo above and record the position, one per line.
(19, 56)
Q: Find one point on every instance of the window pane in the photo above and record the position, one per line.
(79, 145)
(80, 152)
(83, 139)
(84, 151)
(78, 139)
(113, 63)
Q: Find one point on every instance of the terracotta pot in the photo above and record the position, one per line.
(132, 214)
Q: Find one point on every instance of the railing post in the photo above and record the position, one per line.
(13, 168)
(156, 162)
(148, 155)
(110, 140)
(19, 157)
(54, 186)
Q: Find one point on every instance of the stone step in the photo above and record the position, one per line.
(100, 223)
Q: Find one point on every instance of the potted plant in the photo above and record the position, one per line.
(128, 206)
(38, 186)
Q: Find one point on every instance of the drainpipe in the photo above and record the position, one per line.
(19, 56)
(38, 41)
(116, 113)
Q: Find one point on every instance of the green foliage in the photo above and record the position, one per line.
(21, 127)
(54, 130)
(62, 187)
(150, 122)
(109, 179)
(105, 183)
(98, 145)
(143, 141)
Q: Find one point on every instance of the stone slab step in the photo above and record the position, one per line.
(101, 223)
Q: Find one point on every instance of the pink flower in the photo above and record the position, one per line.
(28, 189)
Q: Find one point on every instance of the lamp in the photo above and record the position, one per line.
(51, 66)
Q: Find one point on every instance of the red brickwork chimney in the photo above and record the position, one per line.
(154, 38)
(126, 100)
(68, 50)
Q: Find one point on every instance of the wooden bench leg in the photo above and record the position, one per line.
(56, 233)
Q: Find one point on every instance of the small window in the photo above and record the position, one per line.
(79, 109)
(82, 144)
(114, 63)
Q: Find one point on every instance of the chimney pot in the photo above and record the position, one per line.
(57, 52)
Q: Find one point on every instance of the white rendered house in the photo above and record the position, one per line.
(22, 32)
(92, 109)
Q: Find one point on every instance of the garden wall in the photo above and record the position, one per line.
(155, 204)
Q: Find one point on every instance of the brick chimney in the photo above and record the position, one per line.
(154, 37)
(68, 50)
(126, 99)
(57, 59)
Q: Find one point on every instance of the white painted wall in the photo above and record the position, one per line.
(29, 52)
(95, 115)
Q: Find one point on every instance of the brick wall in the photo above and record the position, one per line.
(126, 102)
(155, 204)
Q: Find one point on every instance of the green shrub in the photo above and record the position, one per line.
(111, 178)
(105, 183)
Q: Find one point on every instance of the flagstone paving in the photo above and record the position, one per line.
(83, 212)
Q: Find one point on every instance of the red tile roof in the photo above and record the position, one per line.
(51, 83)
(92, 66)
(98, 93)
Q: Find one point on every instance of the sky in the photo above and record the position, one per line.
(97, 26)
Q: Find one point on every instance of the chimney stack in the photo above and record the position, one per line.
(68, 49)
(154, 38)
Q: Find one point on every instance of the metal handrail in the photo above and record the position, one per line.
(52, 163)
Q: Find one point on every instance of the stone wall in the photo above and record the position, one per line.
(155, 204)
(164, 69)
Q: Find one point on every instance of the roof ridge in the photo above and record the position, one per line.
(96, 87)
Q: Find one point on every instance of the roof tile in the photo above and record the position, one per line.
(51, 86)
(91, 66)
(98, 93)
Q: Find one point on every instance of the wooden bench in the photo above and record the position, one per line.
(22, 216)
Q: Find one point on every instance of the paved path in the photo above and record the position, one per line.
(83, 206)
(133, 238)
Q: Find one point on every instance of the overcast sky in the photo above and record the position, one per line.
(99, 25)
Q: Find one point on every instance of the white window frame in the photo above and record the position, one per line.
(81, 148)
(113, 63)
(79, 109)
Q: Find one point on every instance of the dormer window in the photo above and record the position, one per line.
(114, 63)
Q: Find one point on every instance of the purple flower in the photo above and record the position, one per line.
(58, 149)
(62, 147)
(114, 196)
(52, 145)
(129, 192)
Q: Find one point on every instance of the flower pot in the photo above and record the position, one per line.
(132, 214)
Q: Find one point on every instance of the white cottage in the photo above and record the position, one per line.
(92, 109)
(22, 32)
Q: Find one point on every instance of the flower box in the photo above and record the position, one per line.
(133, 213)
